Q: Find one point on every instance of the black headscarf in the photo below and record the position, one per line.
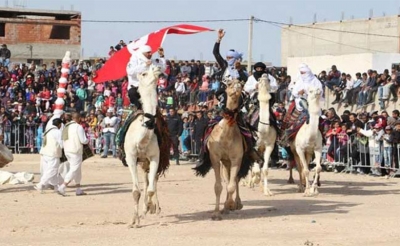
(258, 74)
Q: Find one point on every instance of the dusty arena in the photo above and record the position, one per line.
(350, 210)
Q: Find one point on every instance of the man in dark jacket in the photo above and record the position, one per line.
(175, 128)
(198, 130)
(395, 141)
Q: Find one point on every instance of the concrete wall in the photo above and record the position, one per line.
(305, 42)
(40, 33)
(346, 63)
(43, 51)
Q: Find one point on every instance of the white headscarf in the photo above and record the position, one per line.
(140, 52)
(308, 76)
(144, 49)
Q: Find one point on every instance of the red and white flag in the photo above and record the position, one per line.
(115, 67)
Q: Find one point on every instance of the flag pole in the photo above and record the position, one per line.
(250, 45)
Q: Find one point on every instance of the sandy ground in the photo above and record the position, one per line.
(350, 210)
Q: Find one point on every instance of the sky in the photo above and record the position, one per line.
(98, 37)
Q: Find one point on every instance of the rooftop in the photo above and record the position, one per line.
(21, 13)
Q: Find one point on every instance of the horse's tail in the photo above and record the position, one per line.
(204, 167)
(246, 165)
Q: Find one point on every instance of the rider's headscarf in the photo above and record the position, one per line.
(258, 74)
(307, 75)
(234, 57)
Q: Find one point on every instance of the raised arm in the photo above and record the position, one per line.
(220, 60)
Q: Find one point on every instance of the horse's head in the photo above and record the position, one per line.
(149, 77)
(233, 89)
(314, 94)
(264, 88)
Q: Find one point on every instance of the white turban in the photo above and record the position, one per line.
(304, 68)
(144, 49)
(308, 76)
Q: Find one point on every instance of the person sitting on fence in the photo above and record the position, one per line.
(5, 55)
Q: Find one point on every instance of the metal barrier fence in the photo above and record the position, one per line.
(28, 138)
(356, 155)
(23, 138)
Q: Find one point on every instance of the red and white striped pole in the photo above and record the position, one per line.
(63, 82)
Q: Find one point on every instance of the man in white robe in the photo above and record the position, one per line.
(139, 63)
(64, 166)
(251, 86)
(74, 138)
(51, 152)
(299, 92)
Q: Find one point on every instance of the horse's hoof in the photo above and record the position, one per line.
(239, 205)
(216, 216)
(290, 181)
(267, 192)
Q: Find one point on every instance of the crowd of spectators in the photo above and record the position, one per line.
(187, 88)
(362, 89)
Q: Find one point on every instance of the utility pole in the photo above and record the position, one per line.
(250, 44)
(30, 47)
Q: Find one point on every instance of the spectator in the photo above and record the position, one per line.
(204, 88)
(383, 90)
(339, 89)
(175, 128)
(109, 123)
(194, 90)
(175, 70)
(198, 130)
(186, 69)
(120, 45)
(111, 52)
(333, 78)
(353, 91)
(5, 55)
(387, 147)
(208, 69)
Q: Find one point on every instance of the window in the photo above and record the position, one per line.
(36, 61)
(2, 29)
(60, 32)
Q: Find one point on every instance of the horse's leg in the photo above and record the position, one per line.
(255, 177)
(318, 154)
(217, 187)
(305, 172)
(145, 185)
(291, 165)
(225, 174)
(155, 199)
(267, 154)
(151, 189)
(230, 204)
(238, 201)
(131, 160)
(300, 170)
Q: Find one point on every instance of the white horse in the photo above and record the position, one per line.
(141, 146)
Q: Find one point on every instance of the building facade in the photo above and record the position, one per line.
(374, 35)
(40, 35)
